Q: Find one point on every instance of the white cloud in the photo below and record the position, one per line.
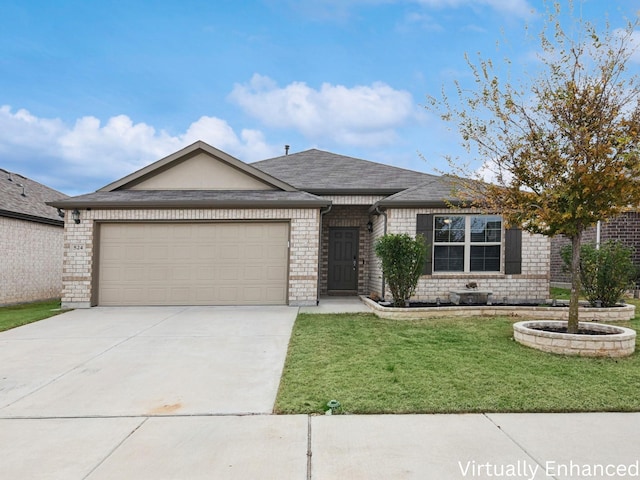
(490, 172)
(361, 115)
(634, 42)
(89, 154)
(426, 22)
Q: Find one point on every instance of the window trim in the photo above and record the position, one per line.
(467, 244)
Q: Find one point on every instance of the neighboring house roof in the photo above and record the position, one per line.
(26, 199)
(321, 172)
(193, 198)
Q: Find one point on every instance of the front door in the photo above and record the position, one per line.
(343, 259)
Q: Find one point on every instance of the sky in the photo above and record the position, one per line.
(91, 91)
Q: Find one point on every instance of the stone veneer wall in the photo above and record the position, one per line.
(79, 246)
(532, 283)
(31, 266)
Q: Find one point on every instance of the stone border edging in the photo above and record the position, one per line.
(589, 314)
(618, 341)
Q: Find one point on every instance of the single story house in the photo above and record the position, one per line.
(202, 227)
(31, 234)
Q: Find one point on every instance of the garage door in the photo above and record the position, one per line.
(193, 264)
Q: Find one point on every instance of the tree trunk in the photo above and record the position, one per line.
(576, 240)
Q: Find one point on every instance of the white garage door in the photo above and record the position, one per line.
(193, 264)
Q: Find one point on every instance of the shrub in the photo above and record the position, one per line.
(605, 273)
(402, 259)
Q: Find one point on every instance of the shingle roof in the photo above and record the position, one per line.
(193, 198)
(436, 191)
(21, 197)
(318, 171)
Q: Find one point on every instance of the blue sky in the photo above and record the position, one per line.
(93, 90)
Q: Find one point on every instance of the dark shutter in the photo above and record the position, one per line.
(424, 227)
(513, 251)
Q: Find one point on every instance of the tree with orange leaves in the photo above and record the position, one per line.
(564, 149)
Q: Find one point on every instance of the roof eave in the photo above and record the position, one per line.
(352, 191)
(31, 218)
(192, 204)
(415, 204)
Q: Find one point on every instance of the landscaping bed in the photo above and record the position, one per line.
(619, 313)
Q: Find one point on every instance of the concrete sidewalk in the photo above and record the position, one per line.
(338, 304)
(515, 446)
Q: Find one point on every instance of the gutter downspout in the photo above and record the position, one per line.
(379, 212)
(598, 232)
(322, 214)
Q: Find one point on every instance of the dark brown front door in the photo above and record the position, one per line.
(343, 259)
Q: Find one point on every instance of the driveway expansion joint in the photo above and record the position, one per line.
(517, 444)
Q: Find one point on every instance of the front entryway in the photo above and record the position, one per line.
(343, 260)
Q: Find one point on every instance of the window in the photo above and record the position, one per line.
(466, 243)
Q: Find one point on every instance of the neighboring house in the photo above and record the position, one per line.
(625, 228)
(202, 227)
(31, 234)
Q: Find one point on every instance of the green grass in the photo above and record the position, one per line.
(17, 315)
(560, 293)
(371, 365)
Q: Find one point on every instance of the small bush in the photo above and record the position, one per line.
(402, 259)
(605, 273)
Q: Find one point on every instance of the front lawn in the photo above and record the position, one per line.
(371, 365)
(17, 315)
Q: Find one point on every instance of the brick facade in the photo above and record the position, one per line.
(308, 273)
(532, 283)
(81, 240)
(31, 267)
(624, 228)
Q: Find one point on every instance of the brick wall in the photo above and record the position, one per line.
(624, 228)
(532, 283)
(79, 259)
(31, 266)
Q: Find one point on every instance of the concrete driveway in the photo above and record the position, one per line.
(115, 362)
(177, 393)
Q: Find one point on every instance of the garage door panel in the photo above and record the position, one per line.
(199, 263)
(205, 274)
(134, 275)
(157, 252)
(228, 273)
(253, 252)
(229, 253)
(159, 273)
(275, 273)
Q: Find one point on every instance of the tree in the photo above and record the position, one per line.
(564, 146)
(402, 259)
